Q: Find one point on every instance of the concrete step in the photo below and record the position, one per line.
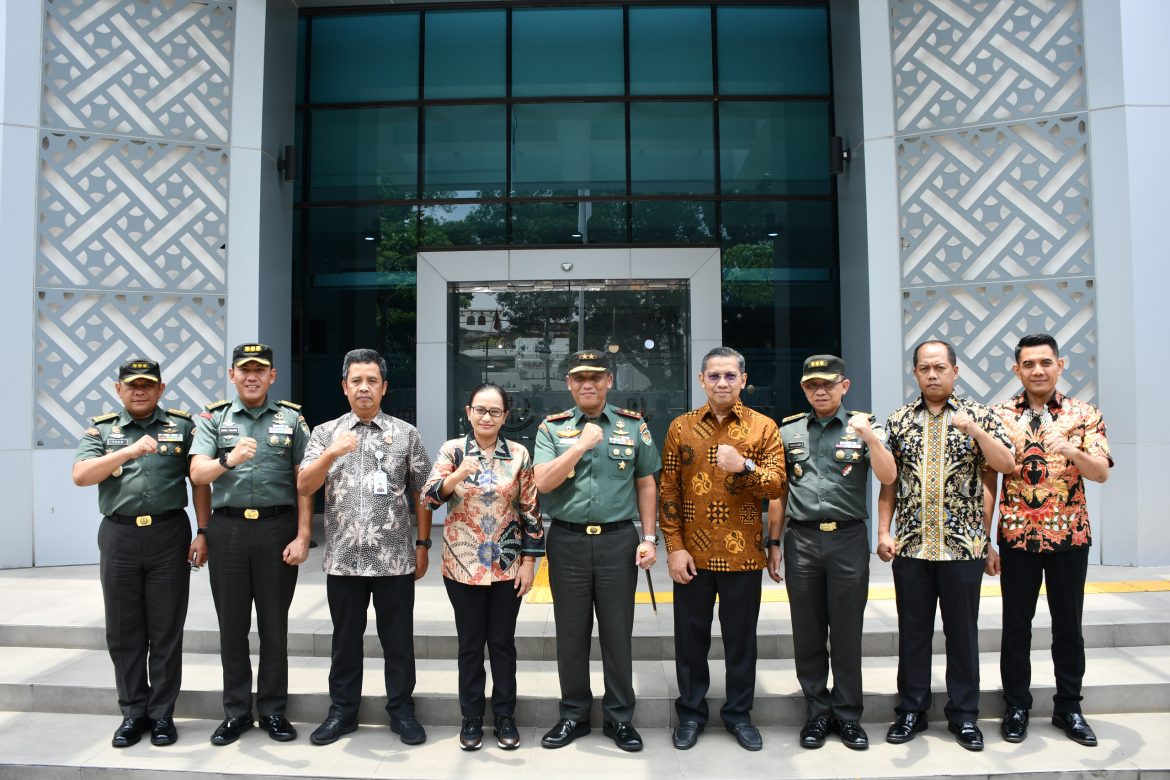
(70, 681)
(42, 746)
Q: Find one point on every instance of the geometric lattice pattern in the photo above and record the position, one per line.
(984, 323)
(126, 214)
(83, 336)
(974, 62)
(1010, 201)
(159, 69)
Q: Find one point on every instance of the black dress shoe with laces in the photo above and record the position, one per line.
(332, 730)
(967, 734)
(471, 734)
(906, 727)
(853, 736)
(163, 732)
(409, 730)
(1014, 726)
(507, 737)
(130, 732)
(686, 734)
(624, 735)
(747, 735)
(564, 732)
(1074, 725)
(230, 730)
(812, 736)
(278, 728)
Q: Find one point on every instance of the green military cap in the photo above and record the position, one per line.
(588, 360)
(139, 368)
(252, 353)
(828, 367)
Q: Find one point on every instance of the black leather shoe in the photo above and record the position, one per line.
(747, 735)
(409, 730)
(230, 730)
(564, 732)
(471, 734)
(1074, 725)
(853, 736)
(332, 730)
(906, 727)
(162, 732)
(624, 735)
(967, 735)
(1014, 726)
(686, 734)
(278, 728)
(130, 732)
(812, 736)
(507, 737)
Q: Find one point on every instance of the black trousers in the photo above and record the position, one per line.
(1064, 572)
(349, 601)
(739, 612)
(952, 586)
(827, 575)
(145, 581)
(485, 614)
(246, 567)
(594, 573)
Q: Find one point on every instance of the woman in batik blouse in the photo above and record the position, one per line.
(491, 539)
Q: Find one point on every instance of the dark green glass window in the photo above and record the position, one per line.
(674, 222)
(774, 148)
(465, 152)
(463, 224)
(567, 51)
(465, 54)
(568, 149)
(773, 51)
(670, 51)
(365, 154)
(574, 222)
(348, 245)
(364, 57)
(671, 148)
(302, 30)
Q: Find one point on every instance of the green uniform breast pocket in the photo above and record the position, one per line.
(621, 461)
(795, 455)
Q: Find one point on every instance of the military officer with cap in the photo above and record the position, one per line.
(138, 459)
(829, 453)
(251, 449)
(595, 467)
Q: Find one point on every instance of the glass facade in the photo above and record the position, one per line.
(558, 126)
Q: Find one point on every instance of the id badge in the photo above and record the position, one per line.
(381, 484)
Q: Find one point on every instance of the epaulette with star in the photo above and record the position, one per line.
(793, 418)
(101, 418)
(628, 413)
(179, 413)
(559, 416)
(211, 407)
(289, 405)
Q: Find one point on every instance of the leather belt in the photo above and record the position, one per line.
(142, 521)
(260, 513)
(828, 526)
(592, 529)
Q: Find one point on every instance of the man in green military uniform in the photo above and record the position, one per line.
(138, 460)
(829, 454)
(595, 467)
(251, 449)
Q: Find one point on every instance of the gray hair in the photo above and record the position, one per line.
(723, 352)
(363, 356)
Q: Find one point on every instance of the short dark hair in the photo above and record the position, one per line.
(482, 386)
(954, 360)
(363, 356)
(1037, 340)
(724, 352)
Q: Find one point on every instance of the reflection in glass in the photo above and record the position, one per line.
(773, 51)
(464, 54)
(365, 154)
(567, 148)
(353, 246)
(672, 148)
(674, 222)
(364, 57)
(670, 51)
(465, 152)
(774, 148)
(567, 51)
(463, 224)
(572, 222)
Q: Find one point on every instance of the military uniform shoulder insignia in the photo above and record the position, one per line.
(101, 418)
(793, 418)
(289, 405)
(559, 416)
(628, 413)
(211, 407)
(870, 415)
(179, 413)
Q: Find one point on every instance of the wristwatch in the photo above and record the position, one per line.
(223, 461)
(423, 543)
(749, 466)
(200, 530)
(771, 543)
(651, 540)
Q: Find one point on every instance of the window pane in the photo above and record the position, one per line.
(568, 149)
(364, 57)
(774, 148)
(671, 148)
(567, 51)
(464, 224)
(578, 222)
(670, 51)
(352, 246)
(364, 154)
(302, 27)
(674, 222)
(465, 152)
(773, 51)
(464, 54)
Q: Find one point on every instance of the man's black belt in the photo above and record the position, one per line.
(592, 529)
(258, 513)
(828, 526)
(142, 521)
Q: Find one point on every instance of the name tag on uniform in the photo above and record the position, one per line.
(174, 436)
(281, 430)
(381, 483)
(849, 445)
(116, 441)
(229, 431)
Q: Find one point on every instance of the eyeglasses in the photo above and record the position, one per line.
(730, 376)
(814, 387)
(480, 411)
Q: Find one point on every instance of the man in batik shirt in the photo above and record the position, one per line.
(373, 467)
(945, 500)
(1044, 534)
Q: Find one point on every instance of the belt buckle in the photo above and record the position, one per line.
(143, 520)
(251, 514)
(593, 530)
(829, 527)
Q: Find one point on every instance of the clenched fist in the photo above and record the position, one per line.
(591, 436)
(243, 452)
(859, 424)
(343, 444)
(144, 446)
(964, 423)
(729, 459)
